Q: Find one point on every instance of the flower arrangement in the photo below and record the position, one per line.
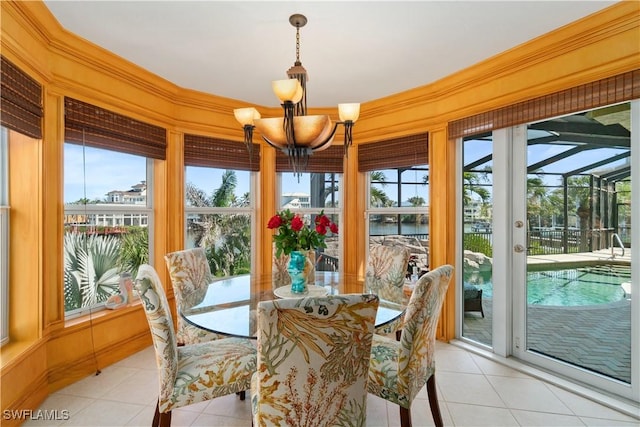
(294, 234)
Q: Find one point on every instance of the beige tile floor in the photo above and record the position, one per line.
(473, 391)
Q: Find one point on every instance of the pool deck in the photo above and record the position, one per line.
(597, 337)
(583, 257)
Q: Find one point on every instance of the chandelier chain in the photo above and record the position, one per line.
(297, 44)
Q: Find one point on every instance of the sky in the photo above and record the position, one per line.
(106, 171)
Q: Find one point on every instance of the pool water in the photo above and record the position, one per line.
(589, 285)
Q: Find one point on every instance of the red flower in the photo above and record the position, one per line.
(296, 223)
(275, 222)
(293, 234)
(323, 220)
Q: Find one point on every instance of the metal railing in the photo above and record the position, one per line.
(616, 238)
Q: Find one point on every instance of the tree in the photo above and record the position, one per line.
(378, 197)
(536, 194)
(91, 273)
(225, 237)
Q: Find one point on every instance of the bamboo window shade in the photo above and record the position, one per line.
(100, 128)
(220, 153)
(406, 151)
(20, 100)
(612, 90)
(330, 160)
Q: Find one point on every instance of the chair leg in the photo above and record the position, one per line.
(433, 401)
(165, 419)
(405, 417)
(156, 416)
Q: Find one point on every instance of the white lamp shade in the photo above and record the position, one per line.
(246, 116)
(286, 90)
(349, 112)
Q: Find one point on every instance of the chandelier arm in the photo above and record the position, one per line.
(287, 123)
(348, 135)
(248, 141)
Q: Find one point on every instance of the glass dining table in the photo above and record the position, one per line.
(228, 306)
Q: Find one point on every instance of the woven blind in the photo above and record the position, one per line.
(220, 153)
(20, 100)
(101, 128)
(330, 160)
(620, 88)
(401, 152)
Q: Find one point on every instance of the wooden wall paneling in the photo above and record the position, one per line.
(25, 237)
(175, 195)
(442, 218)
(353, 230)
(267, 203)
(84, 347)
(23, 382)
(53, 175)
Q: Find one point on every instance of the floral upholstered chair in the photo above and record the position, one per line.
(190, 275)
(384, 276)
(313, 361)
(192, 373)
(399, 370)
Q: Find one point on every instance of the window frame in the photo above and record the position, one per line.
(4, 235)
(96, 209)
(335, 211)
(250, 210)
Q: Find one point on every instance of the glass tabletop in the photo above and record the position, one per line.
(228, 306)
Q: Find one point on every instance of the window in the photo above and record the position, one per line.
(220, 177)
(219, 216)
(20, 111)
(309, 195)
(108, 162)
(4, 236)
(314, 191)
(106, 218)
(398, 194)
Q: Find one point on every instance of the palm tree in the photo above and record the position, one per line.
(536, 194)
(225, 237)
(378, 197)
(91, 272)
(472, 185)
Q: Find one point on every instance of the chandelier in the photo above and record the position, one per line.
(297, 134)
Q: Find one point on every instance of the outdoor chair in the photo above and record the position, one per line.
(313, 361)
(190, 274)
(191, 373)
(472, 299)
(399, 369)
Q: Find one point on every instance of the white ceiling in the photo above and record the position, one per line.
(354, 51)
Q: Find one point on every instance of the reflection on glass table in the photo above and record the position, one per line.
(228, 306)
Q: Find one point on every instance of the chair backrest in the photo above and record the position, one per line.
(385, 272)
(417, 343)
(156, 307)
(313, 359)
(189, 272)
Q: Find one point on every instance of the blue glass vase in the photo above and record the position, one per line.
(296, 269)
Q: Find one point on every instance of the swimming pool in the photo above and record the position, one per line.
(584, 285)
